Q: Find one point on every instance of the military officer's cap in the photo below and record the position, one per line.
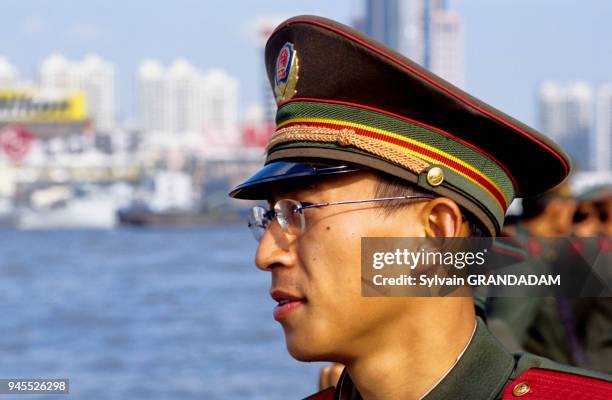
(346, 101)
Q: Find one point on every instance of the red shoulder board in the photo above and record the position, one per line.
(543, 384)
(605, 244)
(326, 394)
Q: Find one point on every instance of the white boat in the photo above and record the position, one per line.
(89, 211)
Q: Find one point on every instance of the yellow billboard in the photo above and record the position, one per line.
(42, 106)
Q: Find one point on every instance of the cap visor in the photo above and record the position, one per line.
(258, 186)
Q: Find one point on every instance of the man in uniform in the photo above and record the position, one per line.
(573, 331)
(593, 216)
(542, 326)
(369, 144)
(593, 224)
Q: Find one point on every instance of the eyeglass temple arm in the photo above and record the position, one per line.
(332, 203)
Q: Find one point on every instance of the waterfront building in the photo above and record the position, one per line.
(566, 116)
(603, 134)
(183, 100)
(93, 75)
(220, 109)
(152, 100)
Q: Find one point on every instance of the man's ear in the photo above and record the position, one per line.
(441, 217)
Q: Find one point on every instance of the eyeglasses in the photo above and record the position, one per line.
(290, 213)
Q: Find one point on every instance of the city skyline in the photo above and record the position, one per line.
(178, 98)
(505, 61)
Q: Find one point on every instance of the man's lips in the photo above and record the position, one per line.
(287, 303)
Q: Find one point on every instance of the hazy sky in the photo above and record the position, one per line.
(511, 45)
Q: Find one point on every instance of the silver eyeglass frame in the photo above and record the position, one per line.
(259, 213)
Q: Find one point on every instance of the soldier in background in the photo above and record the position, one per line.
(571, 331)
(535, 324)
(547, 215)
(592, 223)
(593, 216)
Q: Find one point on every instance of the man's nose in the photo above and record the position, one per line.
(275, 249)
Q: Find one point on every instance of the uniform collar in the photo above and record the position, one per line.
(480, 373)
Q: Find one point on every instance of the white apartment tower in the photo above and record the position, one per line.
(566, 115)
(220, 108)
(56, 72)
(97, 80)
(92, 75)
(603, 136)
(182, 99)
(153, 104)
(185, 97)
(169, 99)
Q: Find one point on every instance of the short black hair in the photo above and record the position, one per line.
(390, 186)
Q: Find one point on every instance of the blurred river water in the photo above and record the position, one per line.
(144, 314)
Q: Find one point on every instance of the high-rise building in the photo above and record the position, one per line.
(603, 137)
(446, 49)
(220, 106)
(384, 21)
(566, 116)
(152, 100)
(93, 75)
(8, 74)
(169, 99)
(423, 30)
(186, 98)
(413, 31)
(97, 80)
(56, 72)
(182, 99)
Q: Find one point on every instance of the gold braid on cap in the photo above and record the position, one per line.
(348, 137)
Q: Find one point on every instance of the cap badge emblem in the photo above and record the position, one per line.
(286, 73)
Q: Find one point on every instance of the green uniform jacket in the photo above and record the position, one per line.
(488, 371)
(581, 335)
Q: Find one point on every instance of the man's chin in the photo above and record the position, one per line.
(304, 348)
(305, 355)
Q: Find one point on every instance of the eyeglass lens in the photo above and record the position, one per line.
(258, 222)
(288, 214)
